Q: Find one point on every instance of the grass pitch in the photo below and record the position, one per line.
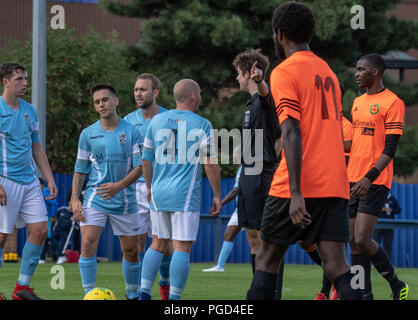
(301, 282)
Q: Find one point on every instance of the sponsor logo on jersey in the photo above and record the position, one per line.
(96, 137)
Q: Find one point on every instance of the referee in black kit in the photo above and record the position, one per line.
(260, 148)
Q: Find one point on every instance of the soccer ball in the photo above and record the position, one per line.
(100, 294)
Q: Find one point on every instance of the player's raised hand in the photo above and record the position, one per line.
(3, 196)
(76, 207)
(216, 207)
(256, 74)
(108, 190)
(297, 212)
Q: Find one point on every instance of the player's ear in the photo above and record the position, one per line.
(376, 72)
(156, 92)
(116, 101)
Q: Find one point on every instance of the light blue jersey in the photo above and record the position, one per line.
(238, 174)
(137, 119)
(175, 141)
(108, 156)
(18, 131)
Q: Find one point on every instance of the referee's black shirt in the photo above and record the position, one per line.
(261, 114)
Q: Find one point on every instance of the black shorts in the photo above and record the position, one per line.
(252, 193)
(370, 203)
(329, 221)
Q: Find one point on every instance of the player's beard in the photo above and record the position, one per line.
(145, 104)
(278, 48)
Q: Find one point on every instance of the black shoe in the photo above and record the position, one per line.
(368, 296)
(401, 293)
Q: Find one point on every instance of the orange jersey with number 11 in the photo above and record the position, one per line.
(305, 88)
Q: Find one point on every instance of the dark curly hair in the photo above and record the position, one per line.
(295, 21)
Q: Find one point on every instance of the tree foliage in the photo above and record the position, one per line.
(74, 64)
(199, 39)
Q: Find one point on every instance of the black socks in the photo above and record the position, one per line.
(345, 291)
(263, 286)
(384, 267)
(363, 260)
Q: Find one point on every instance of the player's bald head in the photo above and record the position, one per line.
(184, 88)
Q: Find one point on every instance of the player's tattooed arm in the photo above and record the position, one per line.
(75, 205)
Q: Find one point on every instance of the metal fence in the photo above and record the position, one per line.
(211, 230)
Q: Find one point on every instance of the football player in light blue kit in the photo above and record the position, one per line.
(109, 153)
(146, 89)
(176, 143)
(21, 200)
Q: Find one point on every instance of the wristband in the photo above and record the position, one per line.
(372, 174)
(258, 81)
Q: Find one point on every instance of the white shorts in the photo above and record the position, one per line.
(143, 207)
(181, 226)
(25, 205)
(233, 221)
(122, 225)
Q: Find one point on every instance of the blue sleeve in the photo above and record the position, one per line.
(83, 164)
(208, 142)
(35, 129)
(148, 149)
(136, 148)
(237, 177)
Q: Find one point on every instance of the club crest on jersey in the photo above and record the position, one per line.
(123, 138)
(374, 109)
(26, 117)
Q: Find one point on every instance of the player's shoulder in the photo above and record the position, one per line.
(27, 106)
(160, 116)
(199, 121)
(162, 109)
(132, 115)
(392, 96)
(125, 123)
(91, 128)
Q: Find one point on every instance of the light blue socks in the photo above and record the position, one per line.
(88, 272)
(131, 275)
(30, 258)
(179, 272)
(150, 266)
(165, 270)
(226, 250)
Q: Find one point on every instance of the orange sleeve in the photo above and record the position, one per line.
(395, 117)
(285, 95)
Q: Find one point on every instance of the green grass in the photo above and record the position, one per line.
(301, 282)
